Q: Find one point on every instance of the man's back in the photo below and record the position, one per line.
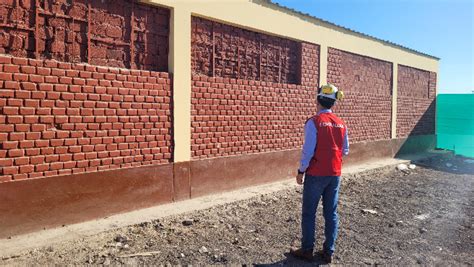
(327, 159)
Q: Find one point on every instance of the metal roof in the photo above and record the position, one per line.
(308, 16)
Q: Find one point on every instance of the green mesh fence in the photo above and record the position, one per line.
(455, 123)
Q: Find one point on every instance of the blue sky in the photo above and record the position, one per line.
(442, 28)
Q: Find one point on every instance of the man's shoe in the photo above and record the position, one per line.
(303, 254)
(325, 256)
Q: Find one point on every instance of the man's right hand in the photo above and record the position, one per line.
(299, 178)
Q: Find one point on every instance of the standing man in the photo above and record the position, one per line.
(324, 145)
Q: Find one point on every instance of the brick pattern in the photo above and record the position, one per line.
(62, 118)
(220, 50)
(367, 85)
(310, 64)
(70, 31)
(416, 108)
(234, 116)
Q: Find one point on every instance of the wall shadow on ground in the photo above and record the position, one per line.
(417, 140)
(447, 162)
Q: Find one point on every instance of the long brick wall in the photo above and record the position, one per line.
(60, 118)
(416, 108)
(119, 34)
(367, 85)
(251, 92)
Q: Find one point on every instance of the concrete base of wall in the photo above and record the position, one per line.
(31, 205)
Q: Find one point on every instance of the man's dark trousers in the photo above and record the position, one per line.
(314, 188)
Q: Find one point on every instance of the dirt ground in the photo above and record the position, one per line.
(423, 216)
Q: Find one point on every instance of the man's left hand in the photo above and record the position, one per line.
(299, 178)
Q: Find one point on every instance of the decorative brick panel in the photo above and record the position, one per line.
(310, 64)
(416, 109)
(367, 85)
(234, 116)
(60, 118)
(220, 50)
(246, 92)
(97, 32)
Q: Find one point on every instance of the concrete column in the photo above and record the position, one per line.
(394, 98)
(180, 67)
(323, 64)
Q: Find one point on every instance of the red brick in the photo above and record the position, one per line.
(27, 111)
(35, 135)
(11, 110)
(20, 77)
(10, 145)
(62, 134)
(32, 152)
(85, 74)
(12, 102)
(70, 164)
(12, 85)
(7, 93)
(31, 119)
(56, 165)
(45, 87)
(44, 71)
(19, 61)
(60, 88)
(28, 69)
(64, 65)
(48, 157)
(31, 103)
(6, 76)
(6, 162)
(50, 79)
(22, 161)
(37, 160)
(22, 127)
(6, 128)
(56, 142)
(5, 59)
(34, 62)
(38, 78)
(10, 170)
(11, 68)
(28, 86)
(79, 81)
(42, 167)
(17, 136)
(50, 63)
(25, 94)
(14, 119)
(65, 80)
(37, 95)
(72, 73)
(16, 153)
(27, 168)
(20, 176)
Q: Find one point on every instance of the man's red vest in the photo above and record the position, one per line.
(327, 158)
